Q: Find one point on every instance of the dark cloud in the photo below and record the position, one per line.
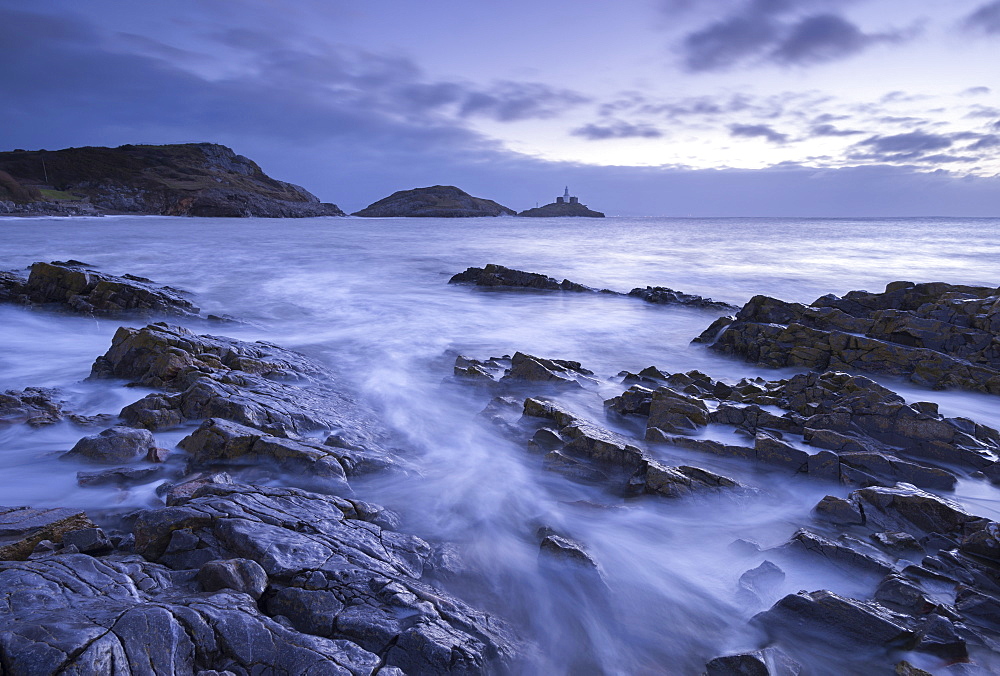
(510, 101)
(830, 130)
(769, 31)
(977, 110)
(757, 130)
(986, 141)
(616, 130)
(985, 19)
(906, 146)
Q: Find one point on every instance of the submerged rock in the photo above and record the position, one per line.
(439, 201)
(936, 334)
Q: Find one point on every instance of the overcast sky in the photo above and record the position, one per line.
(644, 107)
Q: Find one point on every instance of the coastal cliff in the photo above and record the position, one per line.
(191, 179)
(439, 201)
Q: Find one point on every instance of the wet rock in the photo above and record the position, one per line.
(79, 614)
(835, 620)
(846, 553)
(356, 580)
(676, 413)
(939, 637)
(72, 286)
(87, 540)
(222, 441)
(119, 476)
(661, 295)
(763, 580)
(241, 575)
(114, 445)
(22, 528)
(654, 478)
(839, 511)
(937, 334)
(254, 384)
(560, 548)
(184, 489)
(35, 406)
(767, 662)
(497, 276)
(907, 508)
(528, 368)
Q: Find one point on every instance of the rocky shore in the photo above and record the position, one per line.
(262, 555)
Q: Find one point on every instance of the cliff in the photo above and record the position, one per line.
(439, 201)
(191, 179)
(562, 209)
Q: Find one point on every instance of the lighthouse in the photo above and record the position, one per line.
(567, 198)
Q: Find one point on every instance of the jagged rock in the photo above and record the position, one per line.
(72, 286)
(839, 511)
(937, 334)
(35, 406)
(497, 276)
(767, 662)
(763, 580)
(676, 413)
(561, 548)
(189, 179)
(334, 571)
(523, 368)
(439, 201)
(87, 540)
(846, 553)
(655, 478)
(78, 614)
(242, 575)
(22, 528)
(258, 385)
(114, 445)
(907, 508)
(661, 295)
(835, 620)
(183, 490)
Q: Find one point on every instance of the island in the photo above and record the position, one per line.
(438, 201)
(565, 205)
(188, 179)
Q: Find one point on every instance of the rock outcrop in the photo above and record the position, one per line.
(560, 209)
(936, 334)
(193, 179)
(439, 201)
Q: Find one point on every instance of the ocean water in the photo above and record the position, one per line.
(369, 298)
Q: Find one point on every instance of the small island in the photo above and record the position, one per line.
(438, 201)
(565, 205)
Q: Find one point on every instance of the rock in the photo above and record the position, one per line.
(560, 548)
(676, 413)
(439, 201)
(22, 528)
(190, 179)
(654, 478)
(35, 406)
(846, 553)
(113, 445)
(184, 489)
(763, 580)
(836, 621)
(353, 579)
(907, 508)
(839, 511)
(661, 295)
(241, 575)
(561, 210)
(79, 614)
(87, 540)
(120, 476)
(936, 334)
(528, 368)
(767, 662)
(75, 287)
(497, 276)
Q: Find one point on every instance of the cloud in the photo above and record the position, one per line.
(757, 130)
(616, 130)
(975, 91)
(986, 141)
(511, 101)
(985, 19)
(905, 146)
(830, 130)
(762, 31)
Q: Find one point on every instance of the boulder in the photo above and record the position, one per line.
(241, 575)
(22, 528)
(766, 662)
(114, 445)
(661, 295)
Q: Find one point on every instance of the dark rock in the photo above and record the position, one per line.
(35, 406)
(907, 508)
(120, 476)
(937, 334)
(497, 276)
(560, 548)
(22, 528)
(676, 413)
(561, 209)
(183, 490)
(114, 445)
(767, 662)
(763, 580)
(839, 511)
(528, 368)
(192, 179)
(845, 553)
(87, 540)
(439, 201)
(661, 295)
(241, 575)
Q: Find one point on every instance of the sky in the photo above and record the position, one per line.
(828, 108)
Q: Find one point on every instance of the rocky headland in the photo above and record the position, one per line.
(193, 179)
(439, 201)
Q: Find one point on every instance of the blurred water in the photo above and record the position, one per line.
(370, 298)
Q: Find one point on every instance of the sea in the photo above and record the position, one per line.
(370, 299)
